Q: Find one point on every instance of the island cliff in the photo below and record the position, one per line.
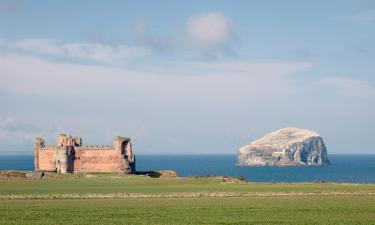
(285, 147)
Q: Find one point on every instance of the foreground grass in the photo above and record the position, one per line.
(257, 210)
(113, 199)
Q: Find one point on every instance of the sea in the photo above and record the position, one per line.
(343, 168)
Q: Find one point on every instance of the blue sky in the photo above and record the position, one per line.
(186, 76)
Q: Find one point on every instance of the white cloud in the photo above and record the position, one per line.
(209, 30)
(85, 51)
(350, 87)
(207, 36)
(177, 81)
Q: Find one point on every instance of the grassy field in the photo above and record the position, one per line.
(113, 199)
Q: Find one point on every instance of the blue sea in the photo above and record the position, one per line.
(343, 168)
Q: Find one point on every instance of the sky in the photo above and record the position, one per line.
(187, 77)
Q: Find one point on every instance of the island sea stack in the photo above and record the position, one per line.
(285, 147)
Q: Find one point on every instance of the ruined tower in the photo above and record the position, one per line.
(124, 147)
(39, 143)
(64, 154)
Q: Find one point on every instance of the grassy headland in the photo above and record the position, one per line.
(120, 199)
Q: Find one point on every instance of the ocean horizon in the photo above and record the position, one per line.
(344, 168)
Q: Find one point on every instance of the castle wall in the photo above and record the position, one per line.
(88, 159)
(69, 156)
(46, 159)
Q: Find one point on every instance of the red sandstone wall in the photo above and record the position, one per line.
(46, 159)
(95, 160)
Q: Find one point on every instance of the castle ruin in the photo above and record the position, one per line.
(69, 156)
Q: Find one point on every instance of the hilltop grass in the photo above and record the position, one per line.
(116, 199)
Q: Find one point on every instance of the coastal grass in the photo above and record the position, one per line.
(128, 199)
(257, 210)
(113, 183)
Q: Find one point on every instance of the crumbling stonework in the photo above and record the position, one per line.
(69, 156)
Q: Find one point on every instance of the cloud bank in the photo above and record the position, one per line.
(96, 52)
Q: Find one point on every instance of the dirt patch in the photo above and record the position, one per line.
(12, 174)
(232, 180)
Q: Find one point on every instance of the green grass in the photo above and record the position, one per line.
(258, 210)
(303, 203)
(141, 184)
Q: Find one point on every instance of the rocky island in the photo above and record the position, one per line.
(285, 147)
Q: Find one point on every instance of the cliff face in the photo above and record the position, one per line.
(285, 147)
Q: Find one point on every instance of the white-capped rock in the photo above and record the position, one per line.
(285, 147)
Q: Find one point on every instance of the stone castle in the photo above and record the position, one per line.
(69, 156)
